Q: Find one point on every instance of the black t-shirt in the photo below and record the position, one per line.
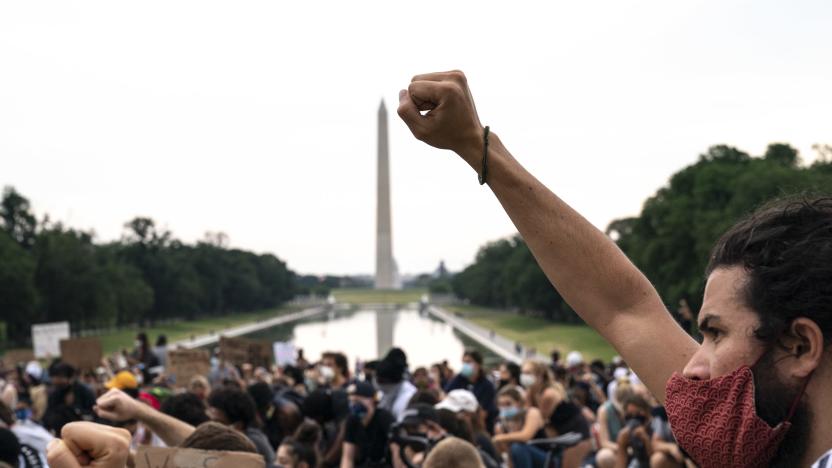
(370, 441)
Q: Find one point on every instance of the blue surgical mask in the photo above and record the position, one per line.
(22, 414)
(358, 409)
(510, 412)
(467, 370)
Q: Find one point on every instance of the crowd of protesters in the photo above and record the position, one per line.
(335, 413)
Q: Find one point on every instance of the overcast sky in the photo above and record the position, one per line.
(258, 119)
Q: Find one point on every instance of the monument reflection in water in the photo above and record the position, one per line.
(368, 334)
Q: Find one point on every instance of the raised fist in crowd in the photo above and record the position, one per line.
(451, 121)
(118, 406)
(89, 444)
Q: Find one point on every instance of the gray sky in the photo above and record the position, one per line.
(258, 119)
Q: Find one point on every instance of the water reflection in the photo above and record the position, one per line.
(367, 334)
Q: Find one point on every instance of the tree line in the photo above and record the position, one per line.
(669, 240)
(50, 272)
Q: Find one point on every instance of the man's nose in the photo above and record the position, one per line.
(698, 368)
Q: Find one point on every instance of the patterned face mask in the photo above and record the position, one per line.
(715, 421)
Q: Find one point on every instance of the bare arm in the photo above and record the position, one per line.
(585, 266)
(532, 423)
(116, 405)
(348, 455)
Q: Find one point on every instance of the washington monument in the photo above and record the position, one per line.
(387, 276)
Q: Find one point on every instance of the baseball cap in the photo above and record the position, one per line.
(420, 412)
(459, 400)
(574, 359)
(124, 380)
(362, 389)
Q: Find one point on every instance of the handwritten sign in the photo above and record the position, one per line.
(169, 457)
(13, 357)
(81, 353)
(284, 353)
(239, 351)
(46, 338)
(185, 364)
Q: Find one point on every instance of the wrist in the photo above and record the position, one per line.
(471, 150)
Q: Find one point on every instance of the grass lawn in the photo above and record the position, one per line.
(539, 333)
(373, 296)
(114, 341)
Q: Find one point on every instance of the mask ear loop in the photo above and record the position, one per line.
(799, 397)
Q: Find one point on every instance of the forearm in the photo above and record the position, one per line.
(171, 430)
(588, 269)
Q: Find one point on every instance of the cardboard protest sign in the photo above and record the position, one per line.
(46, 338)
(284, 353)
(81, 353)
(239, 351)
(185, 364)
(170, 457)
(17, 356)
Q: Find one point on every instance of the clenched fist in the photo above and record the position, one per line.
(451, 121)
(89, 444)
(116, 405)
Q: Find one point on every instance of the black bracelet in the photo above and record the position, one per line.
(484, 174)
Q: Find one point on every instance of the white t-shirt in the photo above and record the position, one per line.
(825, 461)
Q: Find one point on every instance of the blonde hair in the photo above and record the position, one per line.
(543, 380)
(453, 452)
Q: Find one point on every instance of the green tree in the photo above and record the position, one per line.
(18, 296)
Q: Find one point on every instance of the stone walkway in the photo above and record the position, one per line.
(211, 338)
(500, 345)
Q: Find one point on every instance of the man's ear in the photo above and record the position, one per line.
(804, 342)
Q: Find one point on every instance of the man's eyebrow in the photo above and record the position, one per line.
(708, 320)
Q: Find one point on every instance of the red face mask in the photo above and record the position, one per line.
(716, 423)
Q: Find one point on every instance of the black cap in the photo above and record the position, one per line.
(420, 412)
(362, 389)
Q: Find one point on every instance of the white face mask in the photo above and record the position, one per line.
(527, 380)
(326, 373)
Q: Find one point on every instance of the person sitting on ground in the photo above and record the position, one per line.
(322, 407)
(335, 370)
(509, 375)
(766, 317)
(453, 452)
(199, 387)
(610, 422)
(366, 429)
(186, 407)
(472, 377)
(420, 420)
(69, 400)
(457, 427)
(666, 452)
(518, 424)
(33, 438)
(279, 416)
(635, 440)
(396, 390)
(464, 405)
(301, 449)
(235, 408)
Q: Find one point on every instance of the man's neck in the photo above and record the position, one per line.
(820, 434)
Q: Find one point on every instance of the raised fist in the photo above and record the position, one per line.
(89, 444)
(451, 121)
(116, 405)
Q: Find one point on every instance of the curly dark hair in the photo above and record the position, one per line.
(237, 405)
(786, 248)
(186, 407)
